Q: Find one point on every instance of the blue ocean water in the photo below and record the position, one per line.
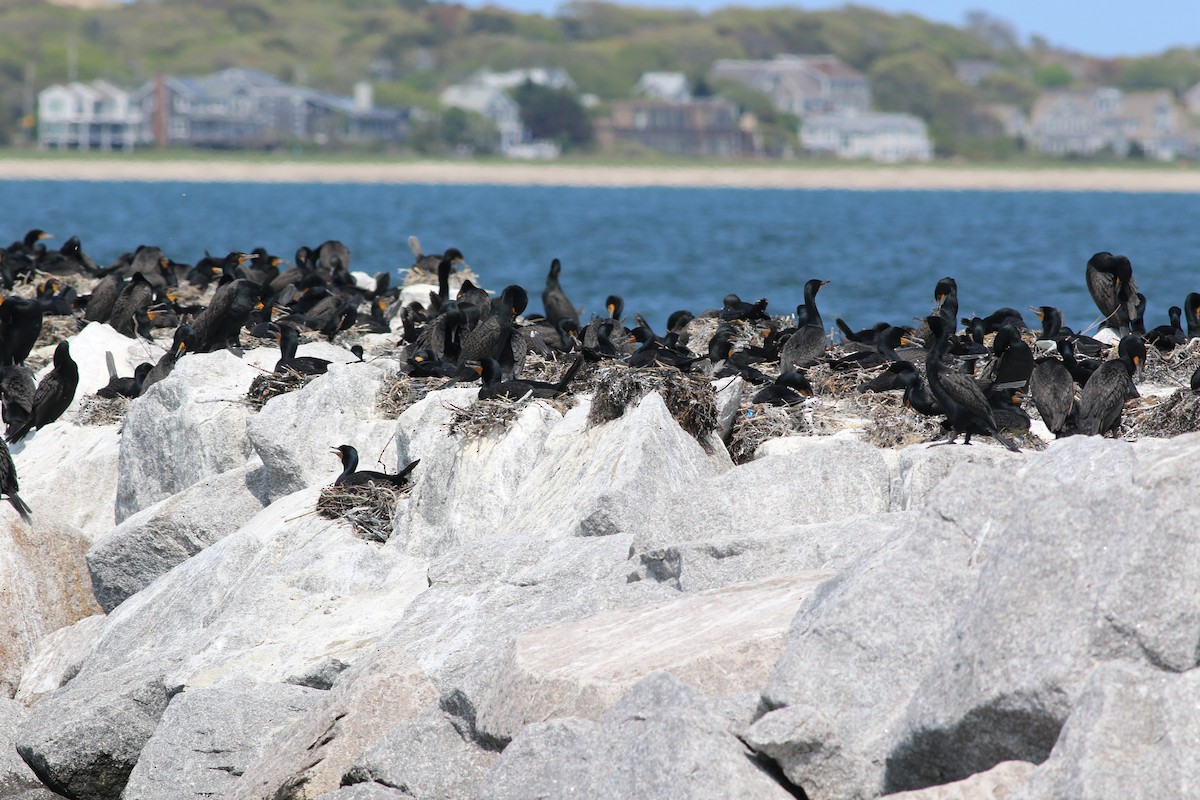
(666, 249)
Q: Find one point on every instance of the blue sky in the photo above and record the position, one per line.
(1114, 28)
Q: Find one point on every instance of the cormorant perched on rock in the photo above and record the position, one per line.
(103, 297)
(554, 299)
(1110, 282)
(137, 296)
(289, 341)
(218, 325)
(1053, 392)
(54, 393)
(1103, 398)
(352, 476)
(807, 344)
(495, 333)
(961, 399)
(17, 387)
(8, 484)
(516, 388)
(20, 325)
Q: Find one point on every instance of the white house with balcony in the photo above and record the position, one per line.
(869, 135)
(87, 116)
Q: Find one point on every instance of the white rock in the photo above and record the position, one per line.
(58, 658)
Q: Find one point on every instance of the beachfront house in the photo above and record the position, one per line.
(800, 84)
(87, 116)
(670, 86)
(868, 136)
(1108, 121)
(245, 108)
(703, 127)
(488, 93)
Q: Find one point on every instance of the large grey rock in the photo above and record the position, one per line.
(707, 563)
(155, 540)
(309, 757)
(58, 658)
(1088, 560)
(426, 758)
(857, 652)
(662, 739)
(920, 468)
(1001, 782)
(43, 587)
(722, 642)
(365, 791)
(481, 596)
(64, 454)
(294, 432)
(187, 427)
(16, 778)
(1134, 732)
(278, 598)
(207, 737)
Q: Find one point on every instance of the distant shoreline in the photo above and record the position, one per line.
(758, 176)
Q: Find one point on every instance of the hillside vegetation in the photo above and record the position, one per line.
(412, 48)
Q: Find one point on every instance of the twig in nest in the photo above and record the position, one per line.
(1174, 414)
(403, 391)
(369, 507)
(96, 410)
(273, 384)
(483, 416)
(691, 400)
(758, 422)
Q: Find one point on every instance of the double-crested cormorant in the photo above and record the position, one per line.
(789, 388)
(183, 341)
(352, 476)
(137, 295)
(123, 387)
(554, 299)
(1053, 391)
(614, 304)
(20, 325)
(652, 353)
(426, 364)
(218, 326)
(515, 388)
(1081, 371)
(962, 401)
(8, 484)
(17, 387)
(1103, 398)
(1191, 313)
(289, 341)
(807, 343)
(1011, 364)
(496, 332)
(1168, 337)
(1110, 282)
(54, 393)
(734, 307)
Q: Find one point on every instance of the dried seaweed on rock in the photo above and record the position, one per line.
(369, 507)
(273, 384)
(1176, 413)
(403, 391)
(96, 410)
(691, 400)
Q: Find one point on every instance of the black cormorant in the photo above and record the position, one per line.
(807, 343)
(1110, 282)
(1103, 398)
(961, 399)
(289, 341)
(1053, 391)
(8, 484)
(54, 393)
(554, 299)
(352, 476)
(515, 388)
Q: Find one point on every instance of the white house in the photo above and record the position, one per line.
(871, 135)
(493, 103)
(670, 86)
(87, 116)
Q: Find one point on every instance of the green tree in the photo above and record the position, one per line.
(1053, 76)
(553, 114)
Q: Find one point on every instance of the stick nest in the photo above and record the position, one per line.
(484, 417)
(403, 391)
(368, 507)
(691, 400)
(757, 422)
(1174, 368)
(1176, 413)
(273, 384)
(96, 410)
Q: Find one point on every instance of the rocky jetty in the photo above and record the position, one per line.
(582, 602)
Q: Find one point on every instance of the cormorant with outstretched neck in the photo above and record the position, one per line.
(967, 410)
(554, 299)
(8, 484)
(807, 343)
(1111, 285)
(1081, 371)
(289, 340)
(353, 476)
(1103, 398)
(515, 388)
(54, 393)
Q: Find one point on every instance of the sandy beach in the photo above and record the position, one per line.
(786, 176)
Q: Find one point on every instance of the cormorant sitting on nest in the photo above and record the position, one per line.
(289, 341)
(516, 388)
(53, 394)
(351, 476)
(123, 387)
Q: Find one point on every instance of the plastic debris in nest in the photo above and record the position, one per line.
(96, 410)
(368, 507)
(403, 391)
(273, 384)
(691, 400)
(484, 417)
(1162, 417)
(758, 422)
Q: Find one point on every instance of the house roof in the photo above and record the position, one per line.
(868, 122)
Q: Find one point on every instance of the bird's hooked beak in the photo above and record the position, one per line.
(44, 235)
(339, 453)
(1037, 312)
